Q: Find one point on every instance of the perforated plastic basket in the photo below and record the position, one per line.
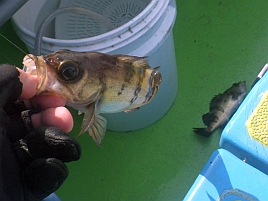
(74, 26)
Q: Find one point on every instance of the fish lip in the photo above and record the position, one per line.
(33, 66)
(242, 86)
(41, 74)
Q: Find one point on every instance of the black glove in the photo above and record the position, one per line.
(31, 161)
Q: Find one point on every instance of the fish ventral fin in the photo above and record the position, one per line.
(98, 129)
(94, 124)
(88, 119)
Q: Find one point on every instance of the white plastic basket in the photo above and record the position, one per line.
(74, 26)
(142, 28)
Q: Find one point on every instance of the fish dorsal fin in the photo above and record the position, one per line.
(98, 129)
(88, 119)
(215, 101)
(133, 60)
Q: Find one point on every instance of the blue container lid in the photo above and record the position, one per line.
(235, 137)
(225, 178)
(52, 197)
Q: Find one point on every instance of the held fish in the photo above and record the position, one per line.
(95, 83)
(222, 107)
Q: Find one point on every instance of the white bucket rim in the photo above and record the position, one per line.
(115, 33)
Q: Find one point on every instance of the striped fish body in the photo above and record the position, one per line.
(96, 83)
(222, 107)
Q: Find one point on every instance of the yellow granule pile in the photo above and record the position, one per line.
(257, 124)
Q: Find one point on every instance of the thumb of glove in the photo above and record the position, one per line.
(10, 85)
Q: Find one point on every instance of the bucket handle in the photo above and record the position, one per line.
(43, 26)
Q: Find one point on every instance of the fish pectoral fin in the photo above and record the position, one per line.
(202, 131)
(208, 118)
(94, 124)
(88, 118)
(98, 129)
(235, 95)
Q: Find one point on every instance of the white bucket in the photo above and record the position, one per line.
(143, 29)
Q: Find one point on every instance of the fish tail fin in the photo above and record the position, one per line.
(202, 131)
(98, 129)
(156, 77)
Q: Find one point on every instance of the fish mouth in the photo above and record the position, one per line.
(240, 86)
(35, 66)
(242, 83)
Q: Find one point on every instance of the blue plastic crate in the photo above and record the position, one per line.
(225, 178)
(235, 137)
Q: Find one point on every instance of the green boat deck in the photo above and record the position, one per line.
(217, 43)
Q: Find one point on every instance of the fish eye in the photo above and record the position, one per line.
(68, 70)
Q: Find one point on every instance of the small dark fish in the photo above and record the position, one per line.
(221, 108)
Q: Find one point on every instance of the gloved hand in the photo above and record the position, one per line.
(31, 160)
